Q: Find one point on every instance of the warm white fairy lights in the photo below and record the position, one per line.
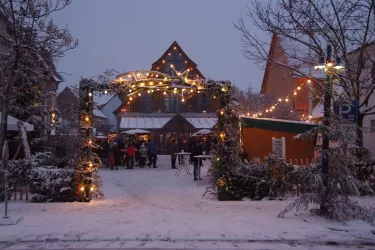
(280, 100)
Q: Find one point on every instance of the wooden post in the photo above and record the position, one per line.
(27, 194)
(21, 194)
(14, 191)
(301, 162)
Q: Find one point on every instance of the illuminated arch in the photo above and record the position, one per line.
(138, 82)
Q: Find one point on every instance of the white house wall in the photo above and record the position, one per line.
(108, 109)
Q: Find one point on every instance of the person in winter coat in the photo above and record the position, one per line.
(130, 151)
(142, 155)
(152, 152)
(173, 149)
(105, 153)
(196, 150)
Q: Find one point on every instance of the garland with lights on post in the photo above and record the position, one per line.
(227, 154)
(86, 181)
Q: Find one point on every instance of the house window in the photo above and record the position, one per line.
(203, 102)
(171, 104)
(372, 126)
(146, 103)
(175, 59)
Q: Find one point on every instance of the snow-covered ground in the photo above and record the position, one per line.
(154, 208)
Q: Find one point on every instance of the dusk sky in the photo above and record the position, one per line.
(131, 35)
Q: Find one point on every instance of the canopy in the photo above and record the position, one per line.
(203, 132)
(12, 124)
(137, 131)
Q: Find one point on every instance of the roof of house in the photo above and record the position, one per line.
(99, 113)
(178, 47)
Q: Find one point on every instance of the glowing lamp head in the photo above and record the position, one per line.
(82, 189)
(280, 100)
(299, 88)
(105, 92)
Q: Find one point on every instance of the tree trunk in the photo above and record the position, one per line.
(359, 131)
(4, 120)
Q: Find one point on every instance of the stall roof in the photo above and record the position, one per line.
(158, 122)
(276, 124)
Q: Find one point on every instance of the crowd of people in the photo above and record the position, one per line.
(145, 153)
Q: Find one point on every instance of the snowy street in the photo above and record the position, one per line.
(153, 208)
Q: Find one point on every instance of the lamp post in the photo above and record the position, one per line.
(330, 67)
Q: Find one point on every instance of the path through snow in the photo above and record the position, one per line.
(154, 205)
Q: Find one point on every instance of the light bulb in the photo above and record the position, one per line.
(90, 94)
(286, 99)
(183, 100)
(131, 98)
(280, 100)
(139, 94)
(151, 83)
(299, 88)
(294, 93)
(82, 189)
(105, 92)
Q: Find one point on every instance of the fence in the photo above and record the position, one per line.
(18, 193)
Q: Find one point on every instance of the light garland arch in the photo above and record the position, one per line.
(226, 155)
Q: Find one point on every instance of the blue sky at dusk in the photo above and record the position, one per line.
(131, 35)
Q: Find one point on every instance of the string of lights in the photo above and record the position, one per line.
(286, 99)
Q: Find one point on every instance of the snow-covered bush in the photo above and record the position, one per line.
(49, 183)
(335, 188)
(40, 175)
(256, 180)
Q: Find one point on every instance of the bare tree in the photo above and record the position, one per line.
(305, 27)
(253, 103)
(29, 41)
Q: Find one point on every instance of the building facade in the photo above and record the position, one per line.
(163, 114)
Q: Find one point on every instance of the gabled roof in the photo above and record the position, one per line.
(268, 65)
(178, 47)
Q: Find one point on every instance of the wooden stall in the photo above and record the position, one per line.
(257, 136)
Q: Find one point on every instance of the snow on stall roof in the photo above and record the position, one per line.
(277, 120)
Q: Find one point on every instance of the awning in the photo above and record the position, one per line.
(143, 122)
(12, 124)
(201, 122)
(151, 122)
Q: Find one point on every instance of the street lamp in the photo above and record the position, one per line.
(331, 68)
